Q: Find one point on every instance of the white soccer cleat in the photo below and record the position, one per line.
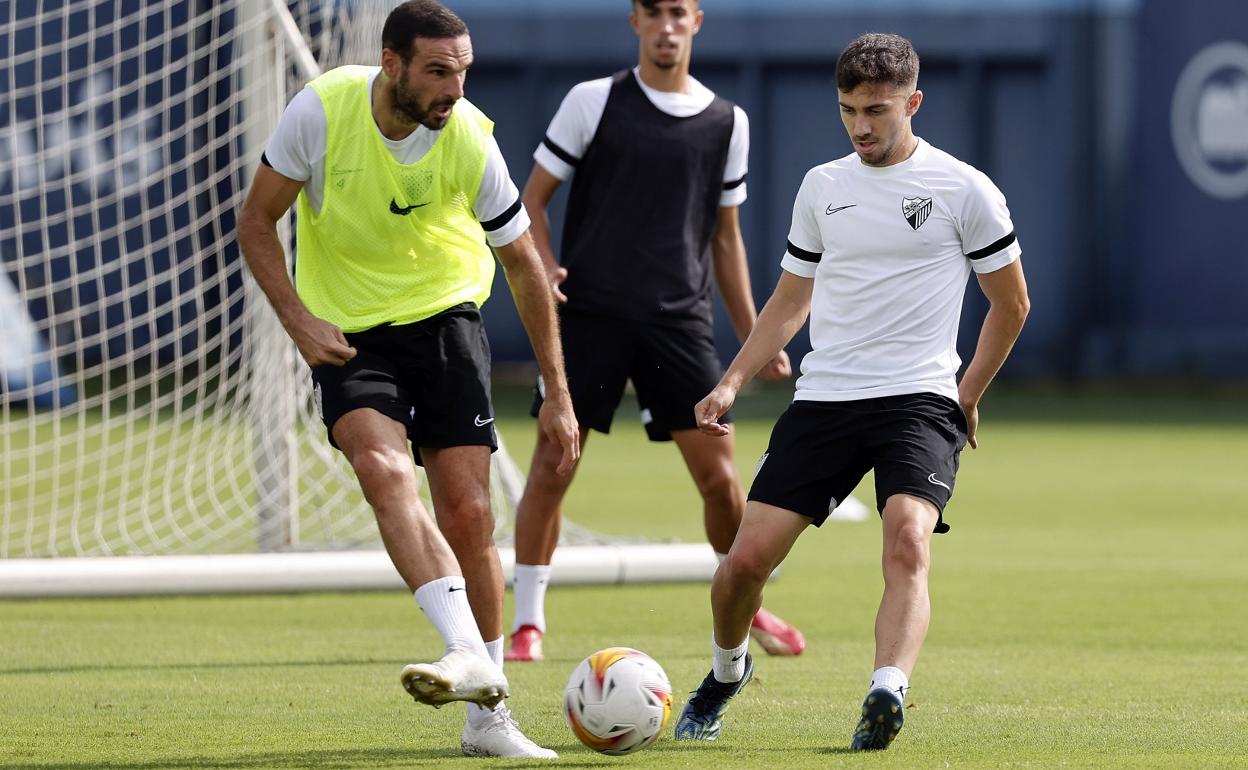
(499, 735)
(458, 675)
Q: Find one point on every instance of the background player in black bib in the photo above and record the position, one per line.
(658, 169)
(884, 240)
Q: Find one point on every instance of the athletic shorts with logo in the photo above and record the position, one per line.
(820, 450)
(672, 368)
(432, 375)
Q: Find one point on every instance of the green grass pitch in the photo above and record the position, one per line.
(1090, 610)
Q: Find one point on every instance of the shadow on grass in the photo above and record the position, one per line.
(122, 667)
(78, 668)
(572, 755)
(331, 758)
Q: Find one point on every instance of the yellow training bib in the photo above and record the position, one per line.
(392, 243)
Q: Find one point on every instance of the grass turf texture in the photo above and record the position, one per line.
(1088, 612)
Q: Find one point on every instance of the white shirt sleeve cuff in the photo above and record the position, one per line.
(999, 260)
(552, 163)
(734, 197)
(510, 231)
(799, 267)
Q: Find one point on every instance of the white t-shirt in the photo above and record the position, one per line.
(891, 250)
(575, 123)
(298, 146)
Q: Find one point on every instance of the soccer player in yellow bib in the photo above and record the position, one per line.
(400, 185)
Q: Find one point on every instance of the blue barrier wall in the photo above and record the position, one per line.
(1186, 311)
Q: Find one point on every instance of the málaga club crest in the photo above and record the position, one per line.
(916, 210)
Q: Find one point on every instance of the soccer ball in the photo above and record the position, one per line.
(618, 701)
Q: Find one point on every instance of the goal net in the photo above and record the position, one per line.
(150, 403)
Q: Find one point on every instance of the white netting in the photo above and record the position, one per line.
(151, 402)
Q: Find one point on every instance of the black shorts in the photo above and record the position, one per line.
(432, 375)
(820, 450)
(672, 367)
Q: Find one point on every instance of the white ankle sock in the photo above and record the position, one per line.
(476, 714)
(495, 651)
(890, 678)
(728, 665)
(445, 602)
(530, 592)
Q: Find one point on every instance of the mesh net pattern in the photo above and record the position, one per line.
(151, 403)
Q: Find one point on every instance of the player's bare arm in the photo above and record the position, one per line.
(270, 197)
(732, 276)
(536, 197)
(782, 317)
(534, 301)
(1006, 290)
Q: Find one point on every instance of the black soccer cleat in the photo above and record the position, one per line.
(703, 715)
(882, 717)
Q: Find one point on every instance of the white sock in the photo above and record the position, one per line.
(890, 678)
(530, 591)
(495, 650)
(476, 714)
(728, 665)
(722, 663)
(445, 602)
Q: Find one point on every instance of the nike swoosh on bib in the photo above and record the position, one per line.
(395, 208)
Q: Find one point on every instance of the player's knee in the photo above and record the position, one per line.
(746, 566)
(467, 521)
(720, 487)
(381, 472)
(907, 552)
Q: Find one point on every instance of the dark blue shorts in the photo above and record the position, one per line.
(432, 375)
(820, 450)
(672, 368)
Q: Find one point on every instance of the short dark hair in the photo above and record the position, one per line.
(877, 58)
(651, 3)
(419, 18)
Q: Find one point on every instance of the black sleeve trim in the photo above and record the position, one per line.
(993, 247)
(735, 183)
(503, 218)
(561, 153)
(265, 160)
(803, 254)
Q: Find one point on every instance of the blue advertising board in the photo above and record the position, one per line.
(1189, 212)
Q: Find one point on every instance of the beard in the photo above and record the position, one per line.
(409, 109)
(881, 155)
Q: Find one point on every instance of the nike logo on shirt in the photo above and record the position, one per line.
(831, 210)
(395, 208)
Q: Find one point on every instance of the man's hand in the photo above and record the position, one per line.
(557, 276)
(971, 410)
(710, 409)
(557, 420)
(320, 342)
(777, 368)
